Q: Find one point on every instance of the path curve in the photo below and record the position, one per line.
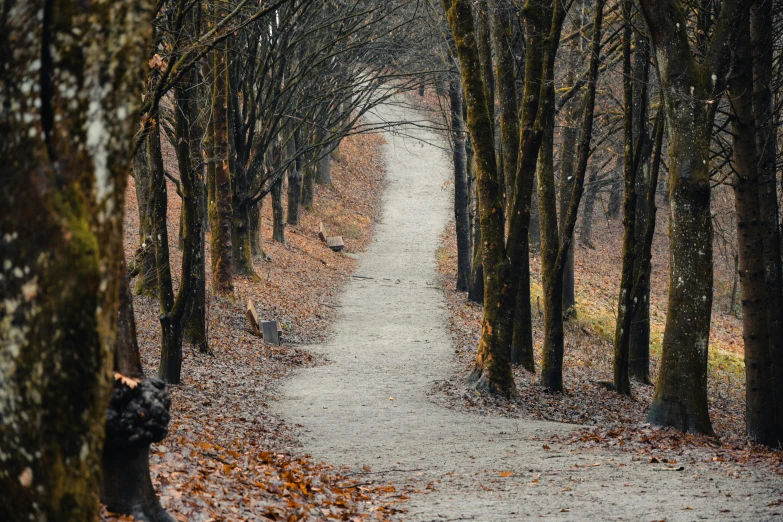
(392, 340)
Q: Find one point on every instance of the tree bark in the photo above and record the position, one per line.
(188, 148)
(688, 89)
(625, 312)
(568, 153)
(323, 170)
(552, 282)
(502, 34)
(759, 393)
(294, 180)
(75, 73)
(586, 232)
(461, 191)
(492, 371)
(554, 256)
(220, 206)
(639, 341)
(308, 187)
(278, 231)
(256, 239)
(766, 138)
(147, 283)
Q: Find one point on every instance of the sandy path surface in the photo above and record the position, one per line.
(392, 341)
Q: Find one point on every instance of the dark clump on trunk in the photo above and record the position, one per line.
(138, 415)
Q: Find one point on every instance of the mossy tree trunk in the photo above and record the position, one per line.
(528, 146)
(256, 239)
(552, 283)
(147, 282)
(492, 371)
(74, 70)
(689, 89)
(172, 309)
(220, 203)
(570, 134)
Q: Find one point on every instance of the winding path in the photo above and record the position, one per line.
(392, 341)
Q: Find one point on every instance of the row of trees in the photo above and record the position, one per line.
(247, 95)
(695, 84)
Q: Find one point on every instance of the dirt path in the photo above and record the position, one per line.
(392, 341)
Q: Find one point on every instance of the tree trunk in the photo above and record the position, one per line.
(492, 371)
(760, 405)
(615, 197)
(308, 186)
(220, 207)
(502, 34)
(554, 255)
(520, 209)
(680, 398)
(552, 283)
(639, 341)
(476, 289)
(64, 162)
(586, 232)
(256, 238)
(278, 230)
(461, 194)
(766, 140)
(147, 283)
(568, 151)
(294, 181)
(625, 304)
(323, 170)
(188, 149)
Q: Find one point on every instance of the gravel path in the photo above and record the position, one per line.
(392, 341)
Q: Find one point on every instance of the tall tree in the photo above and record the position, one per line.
(461, 189)
(689, 88)
(554, 249)
(764, 116)
(622, 383)
(492, 371)
(760, 414)
(220, 207)
(70, 78)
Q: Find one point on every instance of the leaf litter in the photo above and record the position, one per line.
(226, 456)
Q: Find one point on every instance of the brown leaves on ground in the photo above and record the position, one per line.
(618, 421)
(227, 457)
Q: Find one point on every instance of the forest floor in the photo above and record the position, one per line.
(227, 456)
(392, 404)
